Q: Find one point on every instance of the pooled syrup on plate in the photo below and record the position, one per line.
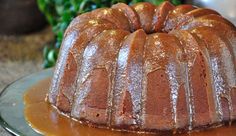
(45, 119)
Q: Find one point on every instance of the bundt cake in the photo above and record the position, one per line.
(147, 68)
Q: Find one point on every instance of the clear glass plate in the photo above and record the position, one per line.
(12, 104)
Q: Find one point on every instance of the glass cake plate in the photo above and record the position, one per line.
(12, 104)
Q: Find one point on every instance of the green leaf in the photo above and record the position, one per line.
(47, 64)
(60, 35)
(66, 16)
(176, 2)
(59, 2)
(45, 52)
(60, 9)
(52, 56)
(41, 4)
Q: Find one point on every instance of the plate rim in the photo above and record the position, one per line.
(3, 123)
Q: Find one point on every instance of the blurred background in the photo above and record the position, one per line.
(31, 31)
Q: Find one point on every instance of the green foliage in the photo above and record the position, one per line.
(59, 14)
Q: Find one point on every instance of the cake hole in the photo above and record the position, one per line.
(97, 115)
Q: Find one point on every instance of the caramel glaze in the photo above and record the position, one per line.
(45, 119)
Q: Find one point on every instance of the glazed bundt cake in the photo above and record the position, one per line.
(147, 68)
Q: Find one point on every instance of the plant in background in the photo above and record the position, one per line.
(59, 13)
